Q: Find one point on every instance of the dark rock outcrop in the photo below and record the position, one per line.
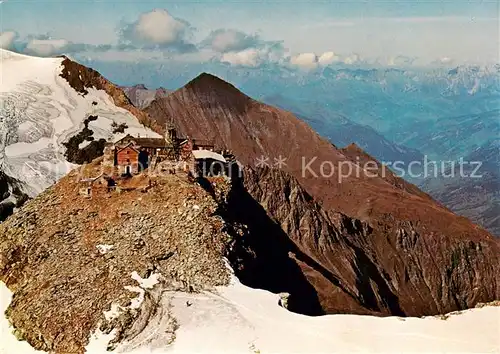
(93, 148)
(11, 195)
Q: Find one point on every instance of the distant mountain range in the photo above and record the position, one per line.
(341, 131)
(476, 193)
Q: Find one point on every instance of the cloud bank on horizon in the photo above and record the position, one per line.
(307, 40)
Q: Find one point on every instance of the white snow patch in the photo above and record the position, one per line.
(207, 154)
(114, 312)
(135, 303)
(20, 149)
(240, 319)
(147, 283)
(25, 126)
(98, 342)
(9, 343)
(84, 144)
(103, 249)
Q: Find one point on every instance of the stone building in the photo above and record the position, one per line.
(132, 155)
(128, 159)
(101, 183)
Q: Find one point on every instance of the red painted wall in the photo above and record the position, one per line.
(128, 156)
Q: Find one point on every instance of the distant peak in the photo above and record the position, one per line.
(140, 87)
(353, 147)
(206, 81)
(207, 76)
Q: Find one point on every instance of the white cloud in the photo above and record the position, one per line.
(249, 57)
(399, 60)
(45, 47)
(7, 39)
(241, 49)
(305, 61)
(351, 59)
(229, 40)
(328, 58)
(445, 60)
(159, 27)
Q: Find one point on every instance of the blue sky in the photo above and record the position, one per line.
(304, 34)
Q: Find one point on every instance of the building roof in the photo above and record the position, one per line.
(150, 142)
(91, 179)
(201, 142)
(143, 141)
(129, 145)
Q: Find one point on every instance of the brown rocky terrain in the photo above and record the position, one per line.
(68, 258)
(361, 158)
(391, 248)
(353, 265)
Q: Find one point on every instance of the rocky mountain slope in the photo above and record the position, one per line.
(45, 103)
(358, 155)
(68, 258)
(396, 250)
(141, 96)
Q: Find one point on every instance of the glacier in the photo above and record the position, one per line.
(39, 111)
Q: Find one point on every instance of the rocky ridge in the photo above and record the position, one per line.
(69, 259)
(73, 262)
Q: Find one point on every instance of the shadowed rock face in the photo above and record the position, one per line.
(366, 244)
(11, 195)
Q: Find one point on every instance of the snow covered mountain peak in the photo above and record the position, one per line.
(46, 101)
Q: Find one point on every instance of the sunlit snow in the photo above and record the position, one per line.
(40, 111)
